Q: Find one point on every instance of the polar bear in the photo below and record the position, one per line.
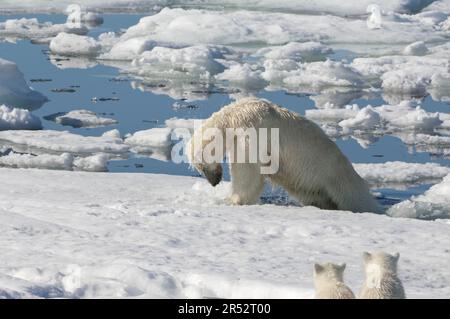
(329, 282)
(311, 167)
(381, 280)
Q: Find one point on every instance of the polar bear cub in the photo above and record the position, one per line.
(381, 280)
(311, 167)
(329, 282)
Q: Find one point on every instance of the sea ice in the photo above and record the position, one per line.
(14, 91)
(81, 118)
(18, 119)
(74, 45)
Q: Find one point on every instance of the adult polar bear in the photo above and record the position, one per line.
(311, 167)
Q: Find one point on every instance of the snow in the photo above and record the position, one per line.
(330, 6)
(74, 45)
(400, 173)
(48, 141)
(18, 119)
(435, 203)
(146, 235)
(14, 91)
(81, 118)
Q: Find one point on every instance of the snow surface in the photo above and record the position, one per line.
(14, 91)
(18, 119)
(79, 235)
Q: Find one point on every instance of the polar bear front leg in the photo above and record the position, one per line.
(247, 183)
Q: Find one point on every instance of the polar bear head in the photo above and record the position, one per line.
(328, 272)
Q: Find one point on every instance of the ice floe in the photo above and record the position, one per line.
(80, 118)
(74, 45)
(158, 142)
(56, 142)
(320, 6)
(64, 161)
(400, 174)
(409, 75)
(405, 116)
(76, 14)
(14, 91)
(244, 27)
(435, 203)
(196, 62)
(18, 119)
(33, 29)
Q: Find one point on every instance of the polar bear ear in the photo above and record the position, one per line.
(318, 268)
(366, 256)
(342, 266)
(396, 256)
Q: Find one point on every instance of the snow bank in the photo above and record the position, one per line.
(329, 6)
(401, 173)
(81, 118)
(18, 119)
(48, 141)
(435, 203)
(74, 45)
(14, 91)
(173, 237)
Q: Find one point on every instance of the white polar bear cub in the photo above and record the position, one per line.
(311, 167)
(329, 282)
(381, 281)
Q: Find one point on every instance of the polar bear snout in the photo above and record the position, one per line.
(213, 173)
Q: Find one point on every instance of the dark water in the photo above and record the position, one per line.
(138, 110)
